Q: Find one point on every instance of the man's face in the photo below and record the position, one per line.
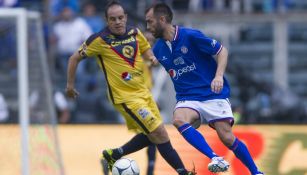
(153, 24)
(116, 20)
(67, 14)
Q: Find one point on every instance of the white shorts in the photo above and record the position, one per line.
(210, 110)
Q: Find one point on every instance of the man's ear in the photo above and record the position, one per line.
(162, 19)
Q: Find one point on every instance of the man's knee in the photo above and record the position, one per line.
(178, 121)
(183, 116)
(228, 139)
(226, 136)
(225, 133)
(159, 135)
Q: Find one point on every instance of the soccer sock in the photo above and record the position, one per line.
(196, 140)
(151, 153)
(138, 142)
(171, 156)
(242, 153)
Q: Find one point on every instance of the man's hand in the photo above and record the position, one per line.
(154, 61)
(217, 84)
(148, 55)
(71, 92)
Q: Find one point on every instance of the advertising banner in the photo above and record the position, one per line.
(277, 150)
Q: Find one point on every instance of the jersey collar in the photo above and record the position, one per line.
(176, 33)
(129, 31)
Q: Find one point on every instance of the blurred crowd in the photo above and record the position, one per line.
(67, 23)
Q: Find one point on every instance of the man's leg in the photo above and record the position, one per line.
(224, 131)
(195, 138)
(182, 119)
(140, 141)
(242, 153)
(130, 112)
(156, 132)
(161, 139)
(151, 155)
(137, 143)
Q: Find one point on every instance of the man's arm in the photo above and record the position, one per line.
(218, 82)
(73, 62)
(148, 55)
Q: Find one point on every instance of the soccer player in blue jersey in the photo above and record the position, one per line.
(196, 65)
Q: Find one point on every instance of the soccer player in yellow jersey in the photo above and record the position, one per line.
(119, 50)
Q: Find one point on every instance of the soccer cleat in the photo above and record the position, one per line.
(107, 156)
(104, 166)
(191, 173)
(218, 164)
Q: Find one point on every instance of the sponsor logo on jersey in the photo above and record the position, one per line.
(178, 61)
(184, 49)
(83, 49)
(123, 42)
(213, 43)
(126, 76)
(131, 32)
(164, 58)
(175, 74)
(143, 112)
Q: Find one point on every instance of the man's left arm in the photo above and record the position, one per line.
(218, 81)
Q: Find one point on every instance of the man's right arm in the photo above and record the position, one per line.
(148, 55)
(73, 62)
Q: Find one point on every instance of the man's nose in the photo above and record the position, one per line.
(117, 20)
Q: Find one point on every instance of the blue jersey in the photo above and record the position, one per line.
(189, 61)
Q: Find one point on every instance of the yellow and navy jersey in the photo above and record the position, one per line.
(120, 59)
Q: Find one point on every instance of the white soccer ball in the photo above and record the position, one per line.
(125, 166)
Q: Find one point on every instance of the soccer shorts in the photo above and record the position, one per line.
(141, 114)
(210, 110)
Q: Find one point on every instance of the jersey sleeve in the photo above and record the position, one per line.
(90, 47)
(205, 44)
(143, 43)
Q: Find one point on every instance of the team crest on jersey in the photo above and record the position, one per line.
(128, 51)
(143, 112)
(184, 49)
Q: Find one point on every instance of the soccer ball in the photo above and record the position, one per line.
(125, 166)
